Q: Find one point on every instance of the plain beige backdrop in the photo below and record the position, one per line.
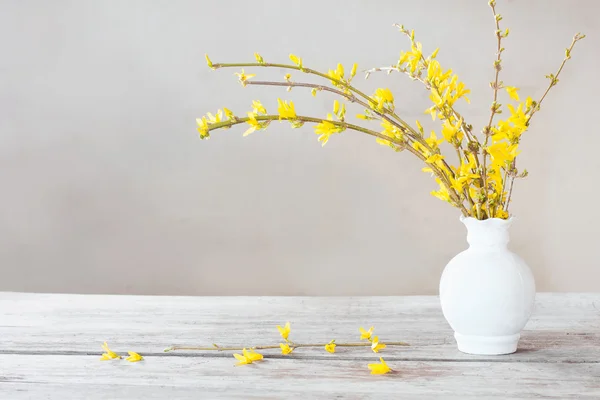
(106, 188)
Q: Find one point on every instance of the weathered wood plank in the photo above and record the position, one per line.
(564, 328)
(70, 377)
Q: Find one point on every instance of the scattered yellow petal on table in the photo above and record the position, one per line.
(285, 348)
(376, 346)
(330, 347)
(379, 369)
(134, 357)
(365, 334)
(247, 357)
(285, 331)
(109, 355)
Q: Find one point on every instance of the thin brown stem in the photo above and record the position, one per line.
(487, 131)
(277, 346)
(405, 128)
(398, 122)
(297, 68)
(504, 182)
(553, 82)
(348, 96)
(510, 190)
(346, 125)
(394, 119)
(429, 86)
(497, 65)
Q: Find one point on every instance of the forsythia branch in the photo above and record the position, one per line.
(484, 184)
(274, 346)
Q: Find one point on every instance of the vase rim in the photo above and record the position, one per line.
(497, 221)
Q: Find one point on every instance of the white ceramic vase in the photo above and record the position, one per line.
(487, 292)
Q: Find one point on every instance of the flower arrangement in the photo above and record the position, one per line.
(479, 184)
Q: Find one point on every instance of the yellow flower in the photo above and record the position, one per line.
(353, 72)
(504, 131)
(258, 108)
(296, 60)
(432, 111)
(434, 158)
(518, 117)
(391, 130)
(330, 347)
(259, 58)
(419, 126)
(501, 214)
(254, 124)
(404, 57)
(208, 62)
(247, 357)
(285, 331)
(286, 110)
(285, 348)
(452, 133)
(512, 92)
(337, 75)
(287, 77)
(416, 56)
(441, 194)
(314, 92)
(420, 148)
(213, 119)
(365, 334)
(342, 113)
(134, 357)
(379, 369)
(109, 355)
(382, 98)
(502, 152)
(461, 91)
(325, 129)
(528, 103)
(386, 94)
(243, 77)
(228, 114)
(433, 141)
(203, 127)
(464, 174)
(376, 346)
(336, 106)
(434, 71)
(494, 175)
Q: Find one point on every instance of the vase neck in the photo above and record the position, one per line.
(487, 234)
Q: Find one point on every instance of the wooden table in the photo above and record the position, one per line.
(50, 348)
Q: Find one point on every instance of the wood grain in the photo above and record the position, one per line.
(78, 377)
(564, 327)
(49, 348)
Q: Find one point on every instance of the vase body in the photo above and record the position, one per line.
(487, 292)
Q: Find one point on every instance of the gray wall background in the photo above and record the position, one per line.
(105, 187)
